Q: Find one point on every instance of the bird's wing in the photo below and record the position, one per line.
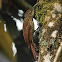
(26, 31)
(30, 34)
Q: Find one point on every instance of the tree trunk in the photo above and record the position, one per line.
(48, 13)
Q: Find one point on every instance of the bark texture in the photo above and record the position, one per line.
(48, 13)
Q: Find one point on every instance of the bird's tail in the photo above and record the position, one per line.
(34, 53)
(34, 45)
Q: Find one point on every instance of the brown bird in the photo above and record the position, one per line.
(28, 30)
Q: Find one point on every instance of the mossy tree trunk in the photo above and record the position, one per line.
(48, 14)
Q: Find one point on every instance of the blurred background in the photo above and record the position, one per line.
(13, 13)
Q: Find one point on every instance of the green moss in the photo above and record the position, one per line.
(42, 9)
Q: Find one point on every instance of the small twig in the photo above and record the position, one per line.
(58, 52)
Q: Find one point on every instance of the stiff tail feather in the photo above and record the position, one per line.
(34, 53)
(34, 45)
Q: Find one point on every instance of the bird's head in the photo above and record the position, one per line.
(29, 12)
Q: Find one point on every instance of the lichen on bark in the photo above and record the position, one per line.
(48, 13)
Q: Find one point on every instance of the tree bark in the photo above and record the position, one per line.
(48, 14)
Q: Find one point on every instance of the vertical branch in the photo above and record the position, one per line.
(0, 4)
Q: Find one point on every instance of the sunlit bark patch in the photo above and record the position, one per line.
(53, 15)
(47, 58)
(50, 24)
(54, 34)
(58, 7)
